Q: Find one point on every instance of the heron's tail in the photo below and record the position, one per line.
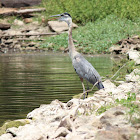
(100, 85)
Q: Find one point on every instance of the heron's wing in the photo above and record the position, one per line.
(84, 69)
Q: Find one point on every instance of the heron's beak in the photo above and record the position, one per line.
(56, 15)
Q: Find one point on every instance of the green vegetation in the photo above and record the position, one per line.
(91, 10)
(96, 37)
(129, 103)
(102, 109)
(106, 22)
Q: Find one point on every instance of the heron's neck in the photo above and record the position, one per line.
(70, 42)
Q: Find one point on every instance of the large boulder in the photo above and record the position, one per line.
(57, 26)
(19, 3)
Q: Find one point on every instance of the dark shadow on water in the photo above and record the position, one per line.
(29, 80)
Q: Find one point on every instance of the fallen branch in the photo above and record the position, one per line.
(22, 12)
(39, 34)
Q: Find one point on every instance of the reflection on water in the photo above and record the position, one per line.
(28, 80)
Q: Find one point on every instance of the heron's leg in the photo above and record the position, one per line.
(87, 89)
(83, 86)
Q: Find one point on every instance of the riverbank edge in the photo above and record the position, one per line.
(76, 118)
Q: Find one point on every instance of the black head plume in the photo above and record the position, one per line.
(65, 14)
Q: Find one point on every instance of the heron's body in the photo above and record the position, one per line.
(83, 68)
(86, 71)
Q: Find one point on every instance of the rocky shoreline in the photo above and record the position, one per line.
(110, 114)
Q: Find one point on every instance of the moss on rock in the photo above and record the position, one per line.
(15, 123)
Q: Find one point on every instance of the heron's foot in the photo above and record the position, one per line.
(85, 93)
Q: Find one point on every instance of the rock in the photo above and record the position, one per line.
(124, 45)
(59, 26)
(18, 22)
(137, 61)
(28, 20)
(115, 49)
(12, 131)
(18, 46)
(5, 26)
(72, 136)
(67, 123)
(54, 111)
(108, 135)
(138, 97)
(61, 132)
(114, 117)
(6, 137)
(8, 42)
(133, 76)
(109, 86)
(133, 55)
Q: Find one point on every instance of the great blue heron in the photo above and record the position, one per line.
(82, 67)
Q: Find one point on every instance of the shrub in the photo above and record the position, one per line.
(91, 10)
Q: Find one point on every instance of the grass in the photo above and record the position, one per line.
(96, 37)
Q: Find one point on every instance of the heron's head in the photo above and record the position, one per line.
(64, 17)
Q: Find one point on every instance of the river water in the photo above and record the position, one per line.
(29, 80)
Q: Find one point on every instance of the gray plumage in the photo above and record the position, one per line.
(85, 70)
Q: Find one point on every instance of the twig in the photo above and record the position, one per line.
(89, 90)
(118, 70)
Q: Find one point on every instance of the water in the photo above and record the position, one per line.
(29, 80)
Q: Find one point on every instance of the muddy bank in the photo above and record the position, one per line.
(112, 113)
